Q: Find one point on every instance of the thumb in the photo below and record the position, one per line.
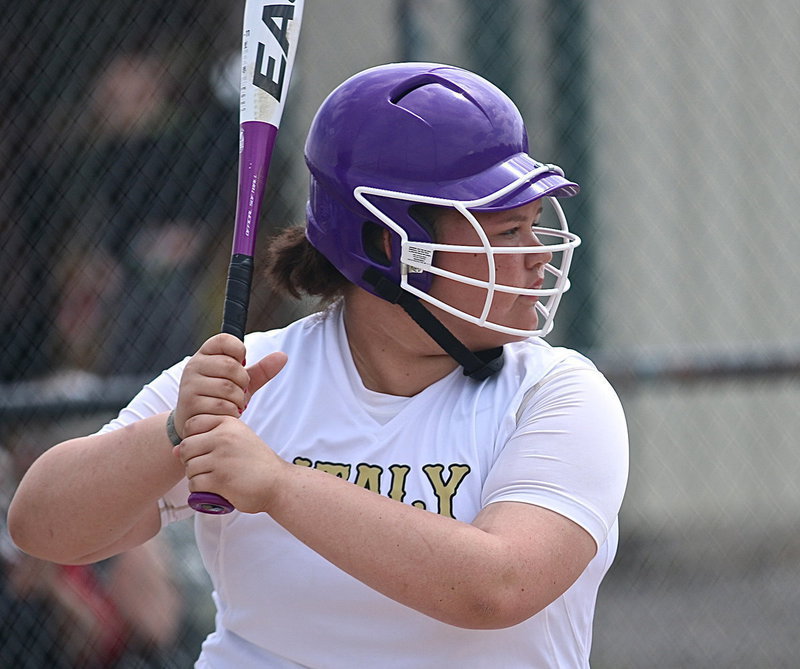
(264, 370)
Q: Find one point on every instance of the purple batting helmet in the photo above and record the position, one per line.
(404, 133)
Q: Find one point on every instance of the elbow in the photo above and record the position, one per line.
(19, 529)
(496, 610)
(35, 538)
(28, 523)
(499, 617)
(42, 550)
(17, 525)
(26, 534)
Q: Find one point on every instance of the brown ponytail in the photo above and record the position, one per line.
(295, 267)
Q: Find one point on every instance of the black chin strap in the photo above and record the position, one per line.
(478, 365)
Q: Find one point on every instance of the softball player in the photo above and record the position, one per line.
(420, 480)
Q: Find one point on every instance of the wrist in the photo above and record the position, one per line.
(281, 475)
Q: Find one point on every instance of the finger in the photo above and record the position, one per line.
(264, 370)
(224, 344)
(216, 387)
(223, 390)
(204, 482)
(218, 367)
(198, 425)
(208, 406)
(198, 466)
(191, 448)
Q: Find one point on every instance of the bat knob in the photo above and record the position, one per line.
(208, 502)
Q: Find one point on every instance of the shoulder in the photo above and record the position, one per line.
(532, 360)
(298, 334)
(574, 391)
(546, 373)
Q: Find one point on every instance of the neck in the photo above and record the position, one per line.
(392, 354)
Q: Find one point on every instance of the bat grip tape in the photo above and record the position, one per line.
(237, 295)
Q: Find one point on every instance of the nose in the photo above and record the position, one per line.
(536, 259)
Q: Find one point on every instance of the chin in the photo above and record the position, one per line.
(500, 338)
(479, 338)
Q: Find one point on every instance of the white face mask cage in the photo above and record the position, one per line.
(418, 256)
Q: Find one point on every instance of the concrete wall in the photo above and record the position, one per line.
(697, 145)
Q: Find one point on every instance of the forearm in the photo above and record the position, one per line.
(94, 496)
(450, 570)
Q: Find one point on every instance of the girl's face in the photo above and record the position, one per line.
(521, 270)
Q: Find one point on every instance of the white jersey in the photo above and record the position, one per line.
(546, 430)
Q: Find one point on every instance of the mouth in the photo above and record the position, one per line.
(537, 285)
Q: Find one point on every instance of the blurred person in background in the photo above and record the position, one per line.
(104, 228)
(144, 193)
(28, 294)
(120, 612)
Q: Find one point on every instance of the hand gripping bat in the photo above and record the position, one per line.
(269, 43)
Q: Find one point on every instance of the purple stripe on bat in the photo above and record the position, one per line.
(258, 140)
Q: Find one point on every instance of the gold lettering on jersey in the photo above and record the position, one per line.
(399, 474)
(445, 490)
(342, 471)
(369, 477)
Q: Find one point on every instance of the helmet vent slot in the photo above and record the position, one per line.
(426, 79)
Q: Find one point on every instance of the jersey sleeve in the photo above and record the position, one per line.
(568, 453)
(158, 396)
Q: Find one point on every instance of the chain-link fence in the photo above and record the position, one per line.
(118, 147)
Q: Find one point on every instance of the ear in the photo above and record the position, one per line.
(386, 242)
(377, 243)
